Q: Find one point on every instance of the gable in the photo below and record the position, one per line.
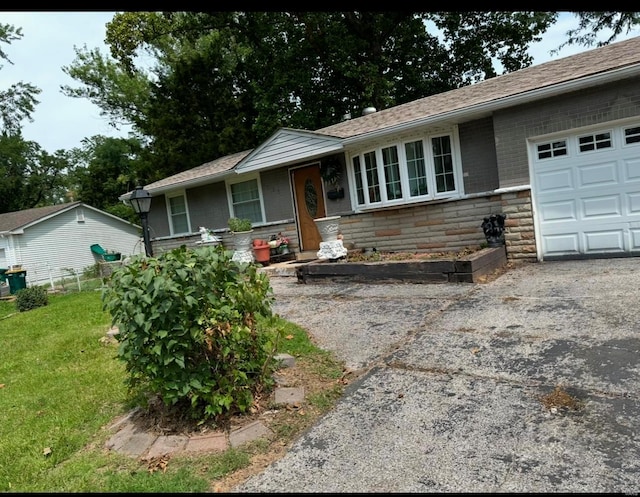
(287, 146)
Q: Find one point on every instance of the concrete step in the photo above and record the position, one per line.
(307, 256)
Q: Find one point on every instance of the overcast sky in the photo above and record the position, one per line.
(48, 44)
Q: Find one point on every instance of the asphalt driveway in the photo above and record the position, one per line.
(458, 385)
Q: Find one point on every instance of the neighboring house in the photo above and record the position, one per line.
(46, 241)
(555, 147)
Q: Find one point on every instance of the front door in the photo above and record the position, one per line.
(309, 198)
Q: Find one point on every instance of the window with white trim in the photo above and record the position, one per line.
(178, 218)
(632, 135)
(245, 200)
(595, 141)
(403, 172)
(552, 149)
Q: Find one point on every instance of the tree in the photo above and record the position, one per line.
(591, 25)
(18, 101)
(31, 176)
(104, 169)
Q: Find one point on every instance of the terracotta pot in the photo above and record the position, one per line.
(262, 253)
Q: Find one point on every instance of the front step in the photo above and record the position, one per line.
(308, 255)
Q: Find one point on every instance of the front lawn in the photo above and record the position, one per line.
(61, 385)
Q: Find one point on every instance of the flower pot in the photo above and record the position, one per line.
(335, 194)
(283, 249)
(242, 246)
(328, 227)
(262, 253)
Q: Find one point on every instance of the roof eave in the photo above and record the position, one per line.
(203, 180)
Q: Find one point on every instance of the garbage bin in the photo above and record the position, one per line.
(17, 280)
(3, 276)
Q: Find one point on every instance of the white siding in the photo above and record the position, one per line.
(47, 248)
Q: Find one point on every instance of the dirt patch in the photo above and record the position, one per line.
(379, 256)
(560, 401)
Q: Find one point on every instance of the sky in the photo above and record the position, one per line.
(48, 41)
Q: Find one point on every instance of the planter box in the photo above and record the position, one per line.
(467, 269)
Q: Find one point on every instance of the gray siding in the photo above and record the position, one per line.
(478, 153)
(208, 206)
(339, 206)
(582, 108)
(158, 219)
(278, 198)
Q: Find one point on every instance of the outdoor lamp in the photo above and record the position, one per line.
(141, 202)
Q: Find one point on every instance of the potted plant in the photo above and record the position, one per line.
(238, 225)
(283, 244)
(261, 251)
(241, 230)
(331, 172)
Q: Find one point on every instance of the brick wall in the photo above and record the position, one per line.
(446, 226)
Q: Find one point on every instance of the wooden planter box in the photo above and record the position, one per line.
(467, 269)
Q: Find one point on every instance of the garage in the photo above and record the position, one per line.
(586, 193)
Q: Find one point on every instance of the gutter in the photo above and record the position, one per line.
(182, 184)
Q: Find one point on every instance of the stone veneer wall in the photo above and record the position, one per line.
(445, 226)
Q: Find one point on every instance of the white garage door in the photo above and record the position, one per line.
(586, 193)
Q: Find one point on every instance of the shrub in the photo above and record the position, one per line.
(238, 225)
(31, 298)
(188, 329)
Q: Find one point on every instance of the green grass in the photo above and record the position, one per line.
(61, 385)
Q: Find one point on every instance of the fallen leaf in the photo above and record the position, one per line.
(475, 351)
(289, 337)
(1, 385)
(158, 463)
(47, 451)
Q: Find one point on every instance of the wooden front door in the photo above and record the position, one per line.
(309, 198)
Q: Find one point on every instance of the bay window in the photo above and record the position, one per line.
(409, 171)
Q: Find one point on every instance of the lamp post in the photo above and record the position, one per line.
(141, 202)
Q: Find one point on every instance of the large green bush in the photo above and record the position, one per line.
(189, 329)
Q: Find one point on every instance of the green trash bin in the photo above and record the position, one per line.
(3, 276)
(17, 280)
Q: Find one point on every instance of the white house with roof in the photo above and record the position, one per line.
(46, 241)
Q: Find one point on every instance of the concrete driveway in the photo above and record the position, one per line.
(454, 384)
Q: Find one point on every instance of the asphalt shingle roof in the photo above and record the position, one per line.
(589, 63)
(15, 220)
(207, 169)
